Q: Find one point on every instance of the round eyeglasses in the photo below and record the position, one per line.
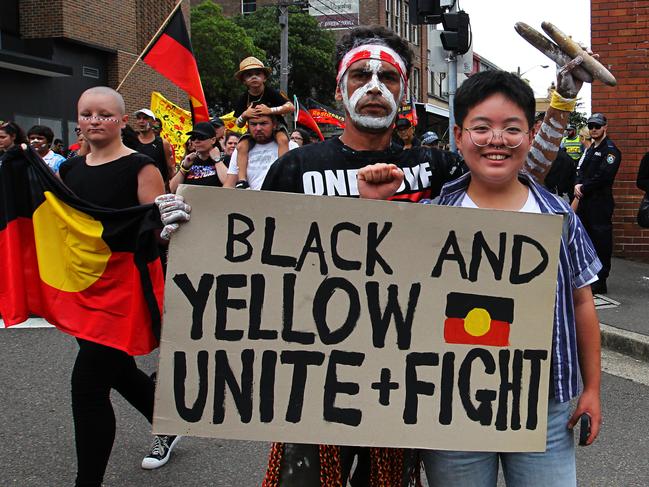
(483, 135)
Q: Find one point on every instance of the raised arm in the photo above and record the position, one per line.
(548, 139)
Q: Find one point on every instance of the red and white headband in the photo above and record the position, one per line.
(372, 51)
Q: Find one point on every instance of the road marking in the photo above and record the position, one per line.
(30, 323)
(603, 302)
(621, 365)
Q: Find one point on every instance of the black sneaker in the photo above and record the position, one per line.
(160, 451)
(242, 184)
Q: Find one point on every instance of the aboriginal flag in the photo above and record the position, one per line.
(324, 115)
(92, 272)
(304, 118)
(172, 56)
(473, 319)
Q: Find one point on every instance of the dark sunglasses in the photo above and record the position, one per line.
(199, 137)
(592, 126)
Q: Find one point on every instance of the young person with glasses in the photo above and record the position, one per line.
(200, 167)
(494, 113)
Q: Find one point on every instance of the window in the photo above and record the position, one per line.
(414, 36)
(397, 17)
(248, 6)
(388, 14)
(415, 84)
(406, 21)
(28, 121)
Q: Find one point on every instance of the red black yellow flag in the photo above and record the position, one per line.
(172, 56)
(92, 272)
(474, 319)
(324, 115)
(304, 118)
(408, 110)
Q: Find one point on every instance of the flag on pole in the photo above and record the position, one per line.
(324, 115)
(172, 56)
(175, 123)
(230, 123)
(92, 272)
(304, 118)
(408, 110)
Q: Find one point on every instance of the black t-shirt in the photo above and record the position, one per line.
(203, 173)
(270, 97)
(330, 168)
(155, 150)
(111, 185)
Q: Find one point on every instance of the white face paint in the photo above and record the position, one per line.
(350, 103)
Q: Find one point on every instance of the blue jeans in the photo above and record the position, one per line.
(555, 466)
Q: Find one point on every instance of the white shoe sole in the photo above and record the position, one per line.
(152, 464)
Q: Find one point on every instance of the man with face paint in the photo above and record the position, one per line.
(373, 66)
(372, 80)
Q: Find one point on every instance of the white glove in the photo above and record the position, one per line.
(173, 211)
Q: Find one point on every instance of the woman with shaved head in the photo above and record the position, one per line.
(112, 176)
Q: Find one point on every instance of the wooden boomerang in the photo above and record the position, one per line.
(564, 51)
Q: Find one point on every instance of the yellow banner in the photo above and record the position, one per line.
(176, 122)
(230, 122)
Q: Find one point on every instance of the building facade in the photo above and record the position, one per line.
(620, 33)
(51, 51)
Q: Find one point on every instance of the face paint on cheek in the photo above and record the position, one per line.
(350, 103)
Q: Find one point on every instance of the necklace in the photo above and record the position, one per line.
(254, 101)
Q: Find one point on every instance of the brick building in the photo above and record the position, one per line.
(620, 33)
(50, 51)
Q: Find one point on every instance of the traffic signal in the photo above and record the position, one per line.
(425, 12)
(456, 34)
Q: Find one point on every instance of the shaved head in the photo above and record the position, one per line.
(106, 91)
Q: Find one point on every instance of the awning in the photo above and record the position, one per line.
(33, 65)
(435, 110)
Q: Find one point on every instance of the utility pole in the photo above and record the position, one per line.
(452, 88)
(283, 50)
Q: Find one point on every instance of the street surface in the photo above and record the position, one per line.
(38, 447)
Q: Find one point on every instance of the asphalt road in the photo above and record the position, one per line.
(37, 434)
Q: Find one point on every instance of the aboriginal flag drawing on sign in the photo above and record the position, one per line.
(473, 319)
(92, 272)
(172, 56)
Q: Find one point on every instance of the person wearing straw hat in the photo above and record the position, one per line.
(258, 100)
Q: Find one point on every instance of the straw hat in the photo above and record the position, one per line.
(251, 63)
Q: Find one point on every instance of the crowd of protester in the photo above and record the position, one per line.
(216, 157)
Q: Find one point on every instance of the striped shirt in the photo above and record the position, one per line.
(578, 266)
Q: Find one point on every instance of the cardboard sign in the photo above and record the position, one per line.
(330, 320)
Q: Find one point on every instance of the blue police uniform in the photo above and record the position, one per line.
(597, 174)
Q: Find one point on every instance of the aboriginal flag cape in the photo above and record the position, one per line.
(172, 56)
(92, 272)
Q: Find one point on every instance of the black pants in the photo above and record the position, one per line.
(597, 215)
(97, 370)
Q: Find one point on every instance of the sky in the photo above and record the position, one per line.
(494, 37)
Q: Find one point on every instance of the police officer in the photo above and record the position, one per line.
(594, 190)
